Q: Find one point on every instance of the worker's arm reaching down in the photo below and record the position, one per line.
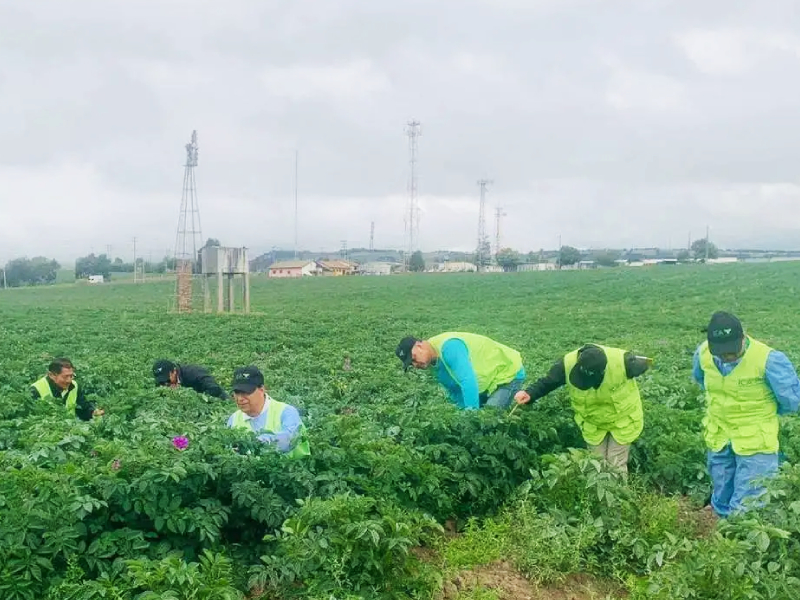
(557, 376)
(454, 371)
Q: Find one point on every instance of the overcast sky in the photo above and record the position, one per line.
(610, 123)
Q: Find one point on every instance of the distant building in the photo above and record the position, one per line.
(456, 267)
(545, 266)
(377, 268)
(723, 259)
(96, 279)
(336, 267)
(292, 268)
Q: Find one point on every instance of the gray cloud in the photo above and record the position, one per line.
(610, 123)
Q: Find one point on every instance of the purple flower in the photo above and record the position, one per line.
(180, 442)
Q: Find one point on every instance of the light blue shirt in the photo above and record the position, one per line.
(290, 424)
(780, 376)
(463, 390)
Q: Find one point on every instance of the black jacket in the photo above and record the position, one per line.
(634, 366)
(83, 408)
(200, 380)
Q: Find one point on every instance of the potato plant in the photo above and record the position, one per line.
(113, 508)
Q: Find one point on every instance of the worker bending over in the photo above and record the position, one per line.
(747, 385)
(59, 386)
(604, 395)
(273, 422)
(166, 372)
(475, 370)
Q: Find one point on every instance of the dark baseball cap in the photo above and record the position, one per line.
(403, 350)
(161, 370)
(247, 379)
(590, 368)
(725, 334)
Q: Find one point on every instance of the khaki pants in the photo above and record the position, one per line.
(614, 453)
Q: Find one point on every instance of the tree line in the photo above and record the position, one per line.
(508, 258)
(40, 270)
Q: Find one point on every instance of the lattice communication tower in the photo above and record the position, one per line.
(413, 131)
(189, 237)
(481, 255)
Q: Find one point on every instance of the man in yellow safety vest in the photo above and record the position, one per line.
(474, 369)
(273, 422)
(59, 386)
(604, 395)
(747, 385)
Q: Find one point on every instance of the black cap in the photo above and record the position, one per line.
(247, 379)
(590, 368)
(725, 334)
(403, 350)
(161, 370)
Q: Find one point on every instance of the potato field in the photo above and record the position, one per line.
(403, 496)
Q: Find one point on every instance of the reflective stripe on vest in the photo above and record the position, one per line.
(43, 387)
(273, 425)
(740, 407)
(494, 364)
(615, 407)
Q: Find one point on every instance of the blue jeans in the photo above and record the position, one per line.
(735, 478)
(504, 394)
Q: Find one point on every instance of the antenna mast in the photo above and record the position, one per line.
(413, 131)
(372, 236)
(189, 236)
(499, 213)
(480, 256)
(295, 204)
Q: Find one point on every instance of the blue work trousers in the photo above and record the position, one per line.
(504, 394)
(736, 478)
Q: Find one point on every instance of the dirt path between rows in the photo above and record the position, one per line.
(509, 584)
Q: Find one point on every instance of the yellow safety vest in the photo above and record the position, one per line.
(43, 387)
(740, 407)
(494, 364)
(615, 407)
(273, 425)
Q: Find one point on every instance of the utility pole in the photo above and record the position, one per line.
(498, 214)
(295, 204)
(559, 252)
(371, 237)
(706, 243)
(135, 268)
(480, 258)
(344, 249)
(413, 131)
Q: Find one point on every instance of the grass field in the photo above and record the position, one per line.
(393, 462)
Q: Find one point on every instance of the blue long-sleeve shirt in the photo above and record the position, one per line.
(290, 424)
(463, 389)
(780, 376)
